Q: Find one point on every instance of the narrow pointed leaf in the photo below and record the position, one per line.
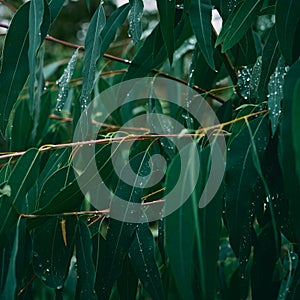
(36, 14)
(288, 139)
(92, 54)
(15, 65)
(10, 288)
(166, 9)
(85, 266)
(240, 177)
(276, 94)
(135, 19)
(238, 23)
(53, 246)
(142, 257)
(116, 19)
(64, 80)
(271, 54)
(121, 234)
(287, 18)
(200, 16)
(20, 181)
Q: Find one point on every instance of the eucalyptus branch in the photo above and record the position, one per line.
(128, 62)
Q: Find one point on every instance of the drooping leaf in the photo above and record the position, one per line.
(265, 256)
(155, 50)
(241, 175)
(238, 23)
(36, 14)
(200, 15)
(142, 258)
(21, 128)
(10, 288)
(52, 249)
(64, 80)
(135, 19)
(15, 64)
(180, 230)
(276, 94)
(121, 234)
(296, 125)
(192, 234)
(128, 281)
(85, 266)
(20, 181)
(287, 14)
(166, 9)
(92, 53)
(288, 137)
(271, 54)
(55, 7)
(115, 20)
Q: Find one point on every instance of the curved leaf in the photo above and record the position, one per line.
(241, 176)
(276, 94)
(238, 23)
(135, 17)
(271, 54)
(53, 243)
(166, 9)
(85, 266)
(287, 18)
(21, 179)
(288, 139)
(15, 65)
(92, 54)
(200, 15)
(142, 258)
(36, 14)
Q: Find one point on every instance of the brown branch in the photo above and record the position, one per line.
(128, 62)
(8, 5)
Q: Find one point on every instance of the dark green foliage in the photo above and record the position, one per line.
(62, 239)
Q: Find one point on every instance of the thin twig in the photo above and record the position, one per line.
(84, 213)
(132, 137)
(128, 62)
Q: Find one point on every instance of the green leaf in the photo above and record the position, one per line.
(55, 7)
(85, 266)
(276, 94)
(151, 53)
(271, 54)
(21, 127)
(296, 125)
(10, 287)
(135, 19)
(200, 15)
(166, 9)
(238, 23)
(128, 281)
(287, 140)
(15, 65)
(192, 234)
(121, 234)
(180, 229)
(287, 18)
(265, 257)
(241, 176)
(36, 15)
(64, 80)
(92, 53)
(20, 181)
(108, 33)
(143, 261)
(53, 243)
